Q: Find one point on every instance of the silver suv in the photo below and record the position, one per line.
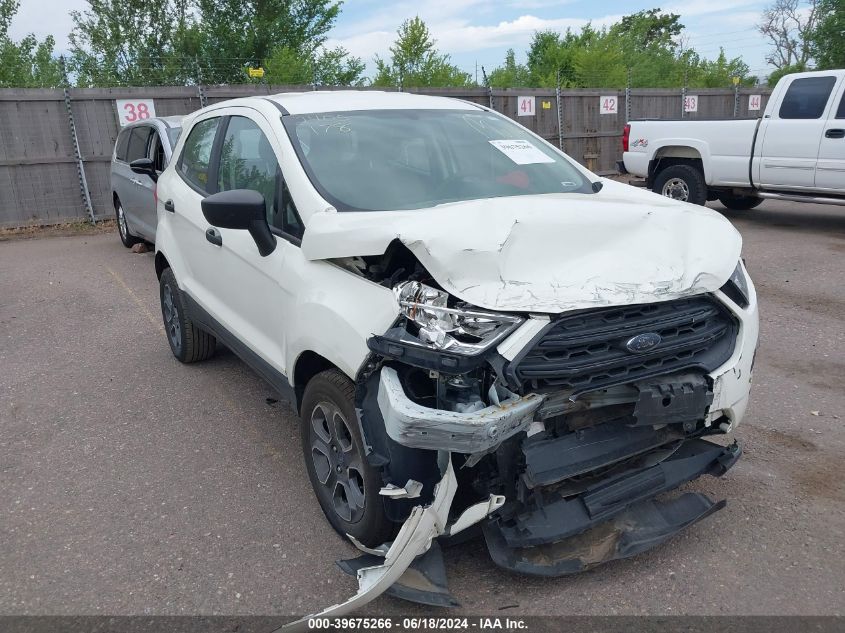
(141, 153)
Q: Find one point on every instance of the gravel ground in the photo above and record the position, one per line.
(132, 484)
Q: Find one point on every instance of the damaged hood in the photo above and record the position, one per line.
(548, 253)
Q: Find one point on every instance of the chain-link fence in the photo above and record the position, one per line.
(55, 144)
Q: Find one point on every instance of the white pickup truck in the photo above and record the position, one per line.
(796, 151)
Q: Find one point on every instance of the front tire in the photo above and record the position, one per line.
(188, 342)
(346, 485)
(682, 182)
(739, 203)
(126, 237)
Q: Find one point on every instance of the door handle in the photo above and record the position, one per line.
(213, 236)
(835, 133)
(168, 206)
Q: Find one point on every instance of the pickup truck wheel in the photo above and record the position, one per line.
(126, 237)
(739, 203)
(188, 342)
(682, 182)
(346, 485)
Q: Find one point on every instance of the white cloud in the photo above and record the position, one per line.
(46, 17)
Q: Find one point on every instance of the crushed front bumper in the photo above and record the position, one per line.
(416, 426)
(614, 518)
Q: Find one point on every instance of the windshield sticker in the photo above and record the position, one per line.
(521, 152)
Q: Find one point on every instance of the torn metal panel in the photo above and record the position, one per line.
(413, 425)
(548, 253)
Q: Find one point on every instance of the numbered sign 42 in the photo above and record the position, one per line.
(691, 103)
(525, 106)
(133, 110)
(754, 102)
(608, 105)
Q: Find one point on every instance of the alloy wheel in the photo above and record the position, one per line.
(676, 189)
(171, 320)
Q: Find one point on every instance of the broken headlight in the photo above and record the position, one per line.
(736, 287)
(460, 329)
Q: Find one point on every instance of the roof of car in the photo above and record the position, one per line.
(348, 100)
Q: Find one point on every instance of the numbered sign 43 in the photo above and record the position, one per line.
(691, 103)
(525, 106)
(608, 105)
(133, 110)
(754, 102)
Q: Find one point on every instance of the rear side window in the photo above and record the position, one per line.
(806, 98)
(195, 161)
(122, 143)
(840, 113)
(138, 138)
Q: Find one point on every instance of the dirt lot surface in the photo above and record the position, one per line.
(132, 484)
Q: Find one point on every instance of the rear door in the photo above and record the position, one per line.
(830, 171)
(790, 139)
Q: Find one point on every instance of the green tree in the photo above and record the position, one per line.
(827, 39)
(27, 63)
(236, 34)
(719, 73)
(416, 62)
(333, 67)
(788, 25)
(511, 75)
(134, 43)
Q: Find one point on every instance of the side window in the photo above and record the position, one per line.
(122, 143)
(196, 154)
(157, 153)
(138, 138)
(247, 161)
(806, 98)
(840, 113)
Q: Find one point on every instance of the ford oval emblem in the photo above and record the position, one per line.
(643, 342)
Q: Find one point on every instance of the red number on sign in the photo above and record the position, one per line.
(131, 115)
(525, 105)
(143, 111)
(609, 104)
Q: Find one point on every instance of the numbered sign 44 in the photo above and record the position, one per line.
(691, 103)
(608, 105)
(525, 106)
(754, 102)
(133, 110)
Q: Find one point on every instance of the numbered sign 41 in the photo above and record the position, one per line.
(525, 106)
(691, 103)
(134, 110)
(608, 105)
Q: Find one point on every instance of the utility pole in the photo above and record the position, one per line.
(559, 112)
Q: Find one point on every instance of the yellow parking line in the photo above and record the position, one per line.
(156, 322)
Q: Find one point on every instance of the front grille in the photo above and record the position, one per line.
(586, 351)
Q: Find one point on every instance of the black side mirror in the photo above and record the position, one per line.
(241, 209)
(144, 166)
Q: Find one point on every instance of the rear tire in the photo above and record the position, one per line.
(188, 342)
(345, 484)
(126, 237)
(739, 203)
(681, 182)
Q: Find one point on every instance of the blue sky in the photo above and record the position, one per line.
(480, 31)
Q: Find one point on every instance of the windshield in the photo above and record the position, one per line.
(383, 160)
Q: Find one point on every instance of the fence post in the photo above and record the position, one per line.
(200, 91)
(628, 97)
(559, 113)
(80, 166)
(684, 96)
(489, 89)
(736, 99)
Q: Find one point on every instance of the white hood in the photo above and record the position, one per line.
(548, 253)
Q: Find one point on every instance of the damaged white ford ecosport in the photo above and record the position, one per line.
(475, 330)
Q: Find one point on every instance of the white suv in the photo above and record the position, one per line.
(473, 328)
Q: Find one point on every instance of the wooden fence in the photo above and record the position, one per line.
(55, 145)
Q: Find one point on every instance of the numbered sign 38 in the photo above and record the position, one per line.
(133, 110)
(691, 103)
(754, 102)
(525, 106)
(608, 105)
